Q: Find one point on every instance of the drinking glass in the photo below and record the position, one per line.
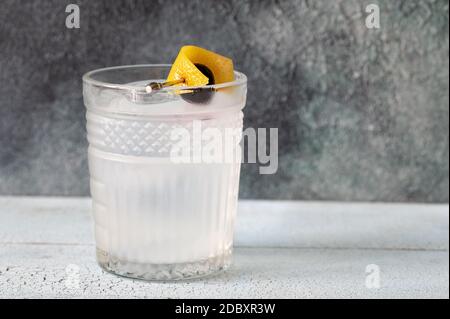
(158, 215)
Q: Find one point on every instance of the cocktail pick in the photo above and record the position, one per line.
(194, 95)
(154, 86)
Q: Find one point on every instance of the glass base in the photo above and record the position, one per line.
(164, 272)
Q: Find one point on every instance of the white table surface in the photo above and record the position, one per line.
(284, 249)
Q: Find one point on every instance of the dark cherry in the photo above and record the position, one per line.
(201, 96)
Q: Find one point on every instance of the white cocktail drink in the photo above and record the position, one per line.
(156, 216)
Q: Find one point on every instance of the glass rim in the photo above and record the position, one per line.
(240, 79)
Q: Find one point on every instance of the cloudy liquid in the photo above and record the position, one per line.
(148, 209)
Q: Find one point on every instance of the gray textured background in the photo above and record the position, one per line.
(362, 114)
